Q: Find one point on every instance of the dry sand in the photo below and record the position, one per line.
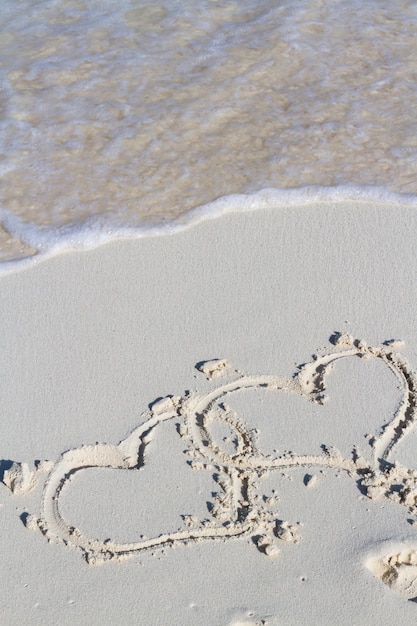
(173, 453)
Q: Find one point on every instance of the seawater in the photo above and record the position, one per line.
(121, 117)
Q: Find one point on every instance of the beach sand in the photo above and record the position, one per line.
(277, 496)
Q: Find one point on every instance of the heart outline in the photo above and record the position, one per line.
(236, 509)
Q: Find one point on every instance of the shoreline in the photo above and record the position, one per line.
(23, 244)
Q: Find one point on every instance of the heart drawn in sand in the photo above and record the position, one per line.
(219, 441)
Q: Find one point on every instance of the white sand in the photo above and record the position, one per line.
(90, 340)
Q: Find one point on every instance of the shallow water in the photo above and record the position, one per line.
(127, 114)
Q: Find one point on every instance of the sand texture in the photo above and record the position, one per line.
(216, 426)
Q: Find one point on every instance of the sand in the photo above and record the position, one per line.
(215, 426)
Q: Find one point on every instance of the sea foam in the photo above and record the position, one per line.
(46, 241)
(129, 118)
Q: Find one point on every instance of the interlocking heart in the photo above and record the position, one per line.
(218, 440)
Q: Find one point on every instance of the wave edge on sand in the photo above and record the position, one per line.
(34, 242)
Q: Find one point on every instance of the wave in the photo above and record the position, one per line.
(43, 242)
